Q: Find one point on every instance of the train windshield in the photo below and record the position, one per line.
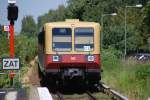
(62, 39)
(84, 39)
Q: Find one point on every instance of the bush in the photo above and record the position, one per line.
(128, 77)
(111, 53)
(143, 72)
(25, 49)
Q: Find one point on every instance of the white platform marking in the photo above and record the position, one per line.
(11, 95)
(44, 93)
(2, 92)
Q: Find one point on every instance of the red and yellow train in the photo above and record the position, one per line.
(70, 50)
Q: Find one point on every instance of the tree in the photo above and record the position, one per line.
(29, 26)
(76, 9)
(145, 29)
(113, 27)
(53, 15)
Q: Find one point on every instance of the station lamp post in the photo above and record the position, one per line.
(125, 28)
(102, 17)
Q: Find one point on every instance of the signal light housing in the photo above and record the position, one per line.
(12, 12)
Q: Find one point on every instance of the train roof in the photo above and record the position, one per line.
(67, 22)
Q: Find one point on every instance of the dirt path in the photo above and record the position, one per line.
(31, 77)
(31, 80)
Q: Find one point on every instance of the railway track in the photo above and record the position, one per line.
(91, 97)
(60, 96)
(110, 92)
(88, 95)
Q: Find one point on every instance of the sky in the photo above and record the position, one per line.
(34, 8)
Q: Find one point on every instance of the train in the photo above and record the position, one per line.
(70, 50)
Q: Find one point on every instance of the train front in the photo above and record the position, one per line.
(72, 51)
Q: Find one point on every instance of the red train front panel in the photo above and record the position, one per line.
(74, 66)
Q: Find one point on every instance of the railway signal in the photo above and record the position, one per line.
(12, 12)
(11, 63)
(12, 16)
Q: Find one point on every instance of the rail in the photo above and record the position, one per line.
(91, 96)
(60, 96)
(110, 92)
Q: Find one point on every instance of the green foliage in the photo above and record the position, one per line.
(143, 73)
(4, 45)
(111, 53)
(25, 49)
(130, 77)
(52, 15)
(145, 29)
(4, 52)
(113, 27)
(4, 81)
(29, 26)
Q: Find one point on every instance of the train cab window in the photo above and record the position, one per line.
(62, 39)
(41, 38)
(84, 39)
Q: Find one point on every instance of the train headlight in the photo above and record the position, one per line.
(56, 58)
(90, 58)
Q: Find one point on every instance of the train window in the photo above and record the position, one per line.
(84, 39)
(41, 38)
(62, 39)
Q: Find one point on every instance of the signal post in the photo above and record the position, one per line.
(12, 16)
(12, 62)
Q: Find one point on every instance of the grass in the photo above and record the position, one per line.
(127, 77)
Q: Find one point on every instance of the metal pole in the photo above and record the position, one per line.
(125, 28)
(102, 36)
(12, 54)
(101, 32)
(125, 35)
(19, 78)
(12, 51)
